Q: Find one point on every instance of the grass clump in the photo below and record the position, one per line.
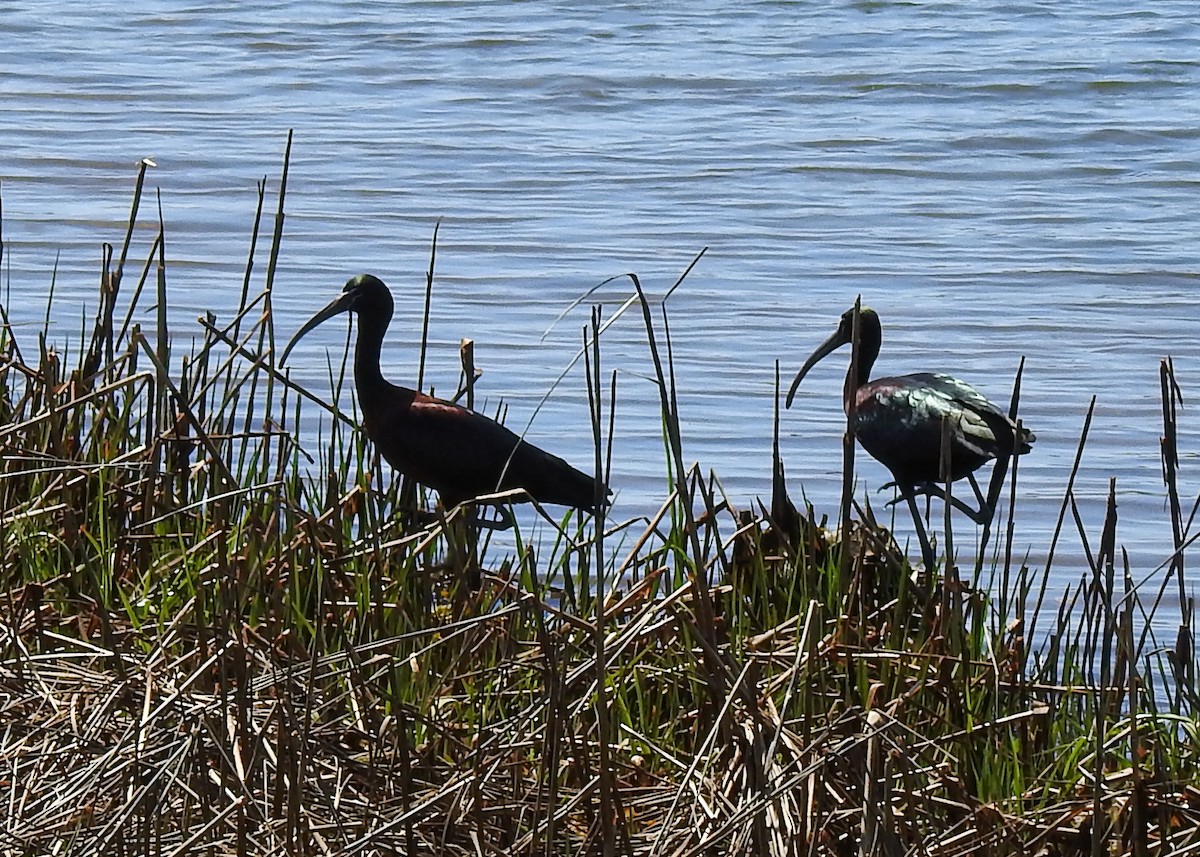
(211, 644)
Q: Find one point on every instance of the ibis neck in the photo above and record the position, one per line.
(870, 338)
(371, 328)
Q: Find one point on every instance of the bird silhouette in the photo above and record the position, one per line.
(455, 451)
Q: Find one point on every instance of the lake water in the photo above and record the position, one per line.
(997, 180)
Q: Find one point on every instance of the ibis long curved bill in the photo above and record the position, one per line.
(834, 342)
(337, 306)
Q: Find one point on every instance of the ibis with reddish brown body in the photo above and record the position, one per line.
(455, 451)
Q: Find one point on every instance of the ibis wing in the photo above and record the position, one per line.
(900, 422)
(462, 454)
(982, 424)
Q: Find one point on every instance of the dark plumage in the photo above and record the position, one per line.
(899, 420)
(455, 451)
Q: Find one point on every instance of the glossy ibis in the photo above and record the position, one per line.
(900, 421)
(457, 452)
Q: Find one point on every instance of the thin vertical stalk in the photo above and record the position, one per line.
(1171, 397)
(111, 281)
(250, 253)
(1000, 469)
(1138, 813)
(949, 568)
(674, 440)
(466, 355)
(277, 236)
(603, 715)
(266, 324)
(1062, 514)
(851, 407)
(428, 305)
(1104, 587)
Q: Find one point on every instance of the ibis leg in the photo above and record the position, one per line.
(919, 523)
(461, 531)
(503, 520)
(470, 566)
(982, 515)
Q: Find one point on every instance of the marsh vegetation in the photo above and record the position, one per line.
(217, 638)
